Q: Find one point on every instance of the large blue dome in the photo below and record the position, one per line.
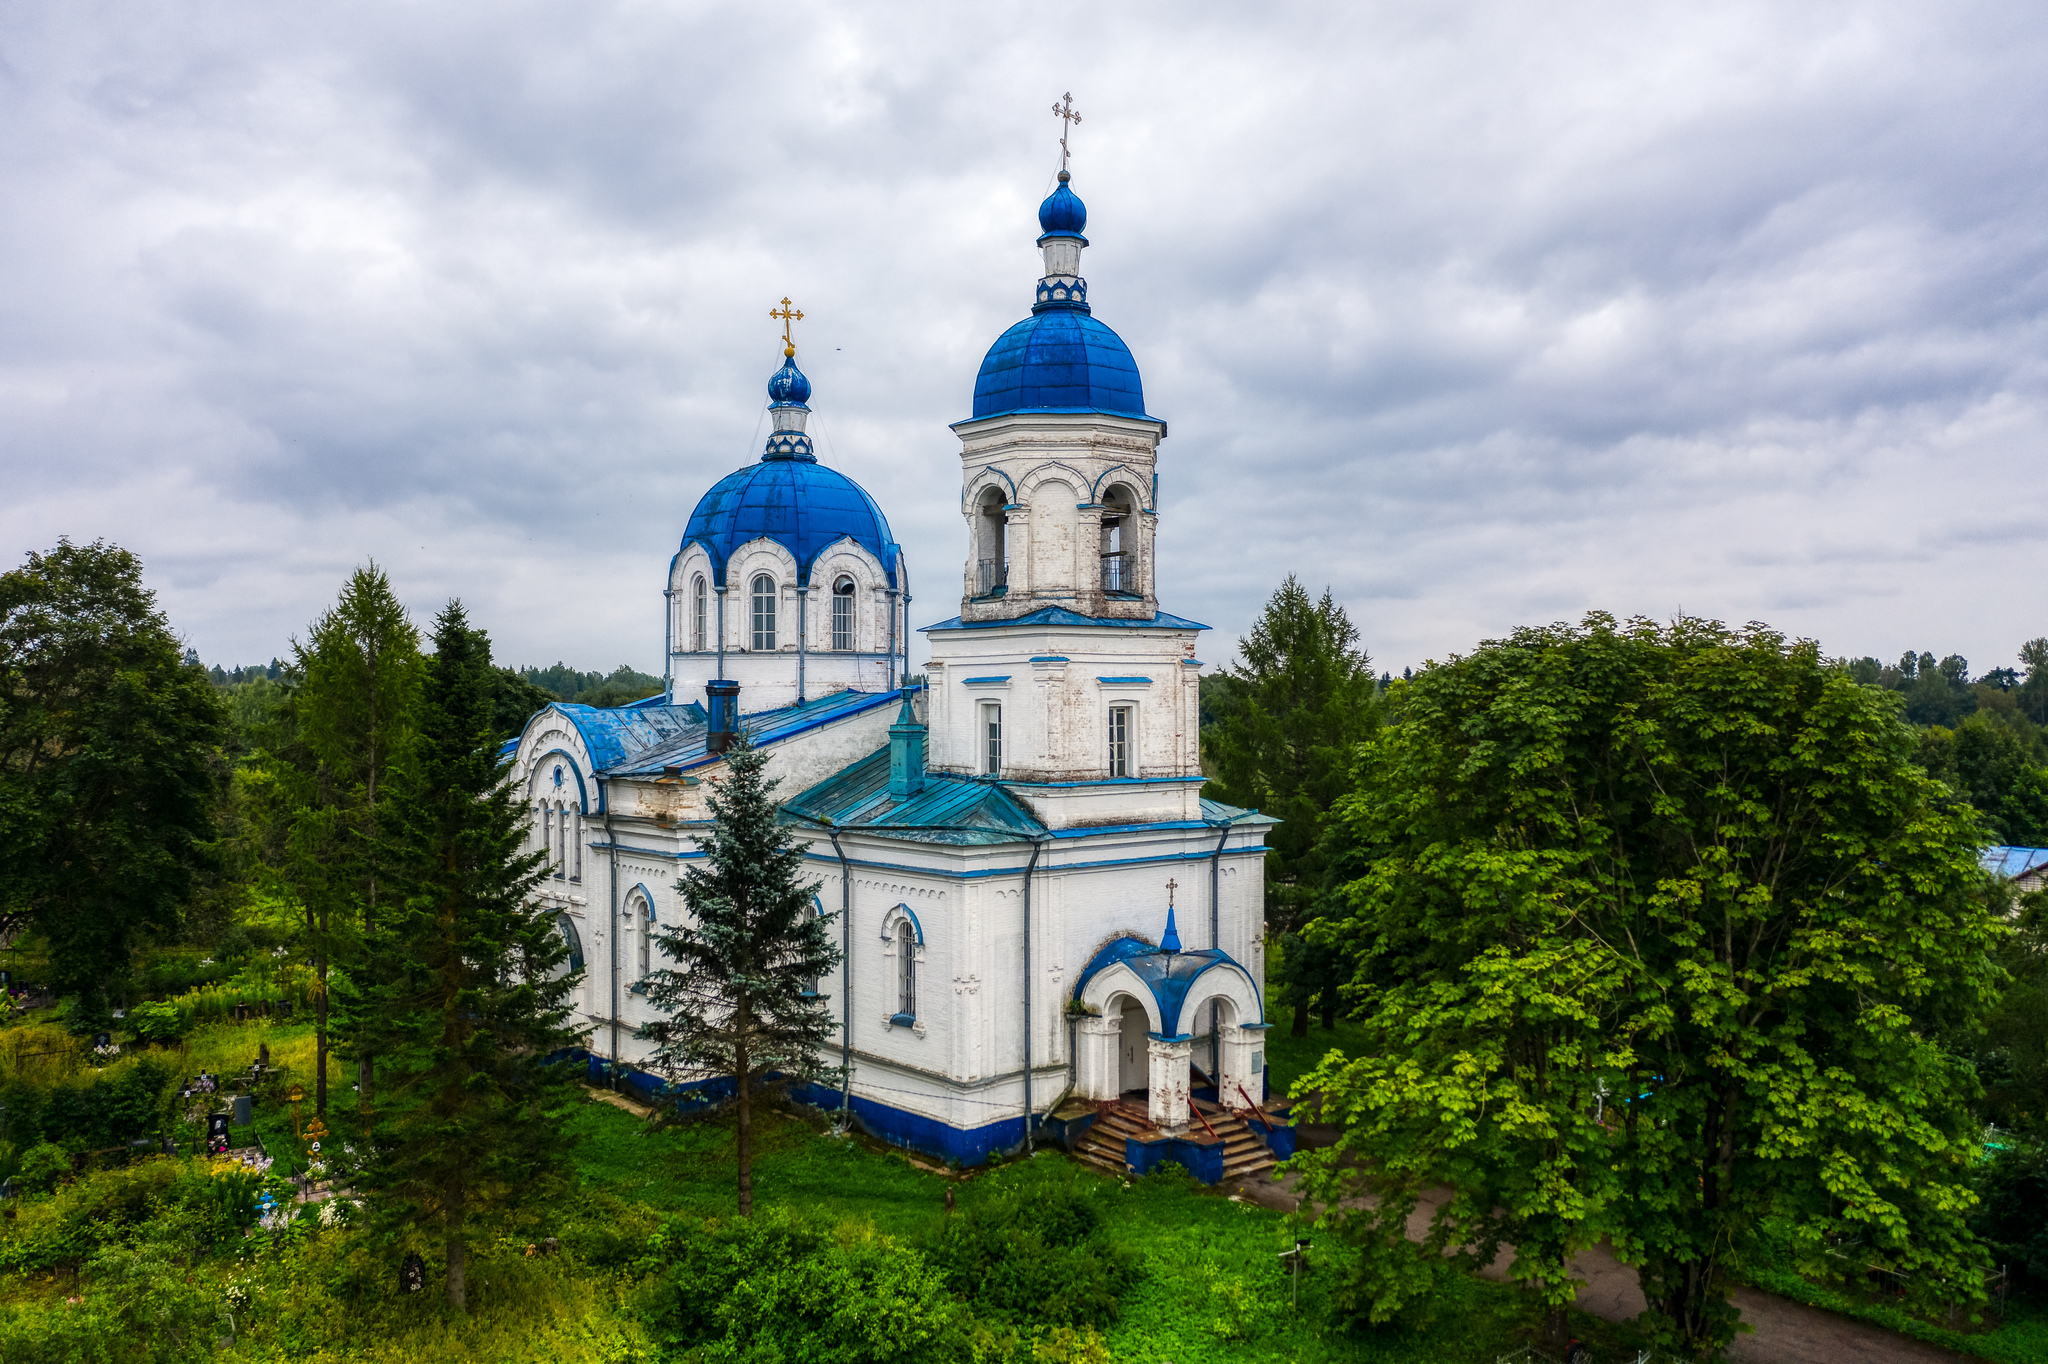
(801, 505)
(1059, 360)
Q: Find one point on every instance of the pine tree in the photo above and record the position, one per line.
(1286, 728)
(466, 1001)
(325, 791)
(740, 1000)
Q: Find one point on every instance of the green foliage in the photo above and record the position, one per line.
(513, 702)
(1661, 927)
(158, 1022)
(1992, 767)
(1031, 1254)
(2010, 1055)
(92, 1111)
(458, 994)
(109, 766)
(1285, 728)
(563, 683)
(2012, 1216)
(739, 1003)
(780, 1287)
(43, 1167)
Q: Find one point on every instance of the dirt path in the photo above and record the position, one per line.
(1784, 1332)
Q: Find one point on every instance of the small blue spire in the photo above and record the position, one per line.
(1170, 940)
(1062, 214)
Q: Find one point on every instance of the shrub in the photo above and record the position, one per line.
(78, 1218)
(159, 1022)
(43, 1168)
(2013, 1217)
(778, 1287)
(1030, 1254)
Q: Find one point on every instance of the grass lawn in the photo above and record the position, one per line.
(1212, 1287)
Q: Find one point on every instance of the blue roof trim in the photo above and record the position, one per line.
(582, 792)
(916, 928)
(1060, 615)
(985, 681)
(1050, 658)
(1125, 681)
(1169, 975)
(640, 886)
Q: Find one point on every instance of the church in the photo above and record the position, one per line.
(1048, 933)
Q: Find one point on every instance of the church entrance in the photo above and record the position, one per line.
(1134, 1056)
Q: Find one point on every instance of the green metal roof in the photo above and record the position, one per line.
(959, 810)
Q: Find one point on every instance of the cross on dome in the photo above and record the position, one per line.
(1069, 116)
(786, 315)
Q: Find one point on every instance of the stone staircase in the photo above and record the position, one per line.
(1245, 1155)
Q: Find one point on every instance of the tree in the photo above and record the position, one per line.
(1662, 931)
(466, 1004)
(2034, 691)
(513, 702)
(1991, 766)
(325, 783)
(1282, 739)
(740, 1000)
(109, 765)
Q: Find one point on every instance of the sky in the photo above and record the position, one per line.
(1481, 315)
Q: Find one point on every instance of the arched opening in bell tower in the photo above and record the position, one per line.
(1119, 541)
(992, 547)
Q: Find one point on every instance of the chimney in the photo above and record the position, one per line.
(906, 751)
(723, 707)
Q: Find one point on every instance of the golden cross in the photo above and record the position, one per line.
(786, 315)
(1171, 886)
(1065, 109)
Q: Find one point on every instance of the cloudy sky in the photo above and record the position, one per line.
(1481, 314)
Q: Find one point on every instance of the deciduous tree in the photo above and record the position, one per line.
(1662, 930)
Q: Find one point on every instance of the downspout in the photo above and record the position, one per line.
(611, 926)
(892, 639)
(668, 645)
(1216, 941)
(1037, 847)
(845, 984)
(803, 630)
(721, 632)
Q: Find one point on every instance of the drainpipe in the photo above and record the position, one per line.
(721, 631)
(892, 639)
(803, 629)
(668, 644)
(1037, 847)
(906, 632)
(611, 926)
(845, 984)
(1216, 941)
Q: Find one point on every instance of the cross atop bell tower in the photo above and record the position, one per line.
(786, 315)
(1069, 116)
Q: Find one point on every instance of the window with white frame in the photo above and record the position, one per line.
(906, 970)
(764, 612)
(1120, 764)
(699, 612)
(992, 738)
(644, 922)
(842, 614)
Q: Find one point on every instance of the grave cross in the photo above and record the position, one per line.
(1068, 118)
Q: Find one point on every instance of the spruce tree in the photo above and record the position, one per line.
(740, 1000)
(324, 791)
(1286, 729)
(458, 991)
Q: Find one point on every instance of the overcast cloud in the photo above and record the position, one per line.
(1482, 314)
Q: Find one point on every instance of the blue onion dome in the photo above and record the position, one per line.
(1059, 360)
(789, 386)
(1062, 214)
(799, 504)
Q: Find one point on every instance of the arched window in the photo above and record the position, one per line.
(842, 614)
(699, 610)
(645, 924)
(906, 971)
(561, 844)
(546, 829)
(574, 817)
(573, 941)
(1119, 540)
(764, 612)
(992, 568)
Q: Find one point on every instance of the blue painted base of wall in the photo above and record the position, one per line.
(1201, 1158)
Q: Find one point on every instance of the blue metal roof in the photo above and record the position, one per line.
(1060, 615)
(763, 727)
(1059, 359)
(796, 502)
(1169, 975)
(958, 810)
(612, 734)
(1062, 214)
(2012, 863)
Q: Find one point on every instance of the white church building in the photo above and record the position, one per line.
(1047, 931)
